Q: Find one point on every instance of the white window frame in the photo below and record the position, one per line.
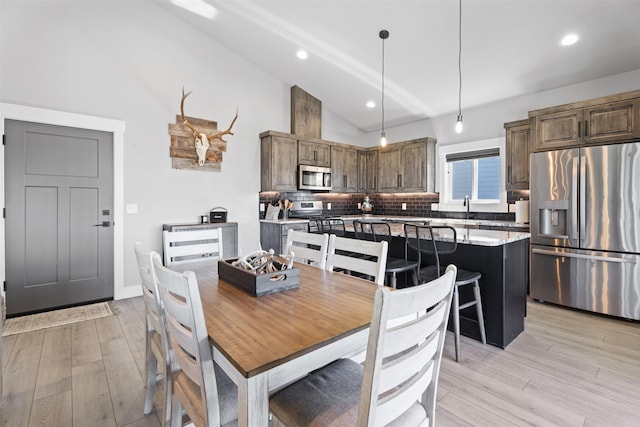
(443, 182)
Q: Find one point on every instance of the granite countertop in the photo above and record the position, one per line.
(467, 236)
(439, 221)
(286, 221)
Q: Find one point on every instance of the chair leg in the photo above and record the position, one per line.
(176, 412)
(456, 321)
(167, 396)
(152, 376)
(394, 280)
(414, 277)
(476, 292)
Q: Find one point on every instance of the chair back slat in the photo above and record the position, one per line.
(192, 246)
(402, 399)
(345, 253)
(396, 371)
(403, 359)
(308, 247)
(401, 337)
(190, 349)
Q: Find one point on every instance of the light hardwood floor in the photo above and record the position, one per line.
(567, 369)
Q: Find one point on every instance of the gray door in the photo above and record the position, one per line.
(59, 210)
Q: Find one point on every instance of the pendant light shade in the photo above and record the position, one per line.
(459, 121)
(384, 34)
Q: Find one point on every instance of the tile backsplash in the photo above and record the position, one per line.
(417, 204)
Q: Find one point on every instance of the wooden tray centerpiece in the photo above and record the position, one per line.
(258, 283)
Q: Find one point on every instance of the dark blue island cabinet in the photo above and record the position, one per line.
(502, 257)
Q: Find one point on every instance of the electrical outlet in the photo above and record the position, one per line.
(328, 206)
(359, 205)
(404, 206)
(261, 207)
(512, 207)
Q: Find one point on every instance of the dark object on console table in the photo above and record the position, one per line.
(258, 284)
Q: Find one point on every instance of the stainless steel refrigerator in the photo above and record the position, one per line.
(585, 228)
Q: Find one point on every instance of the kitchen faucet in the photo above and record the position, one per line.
(466, 203)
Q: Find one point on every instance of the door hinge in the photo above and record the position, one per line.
(4, 212)
(4, 139)
(4, 286)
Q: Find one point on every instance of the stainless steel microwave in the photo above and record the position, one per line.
(314, 178)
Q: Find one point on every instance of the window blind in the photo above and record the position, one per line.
(470, 155)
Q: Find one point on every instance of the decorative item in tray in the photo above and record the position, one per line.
(260, 273)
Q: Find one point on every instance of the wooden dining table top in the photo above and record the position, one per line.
(258, 333)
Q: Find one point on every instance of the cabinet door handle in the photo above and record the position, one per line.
(509, 174)
(374, 183)
(315, 156)
(579, 127)
(344, 181)
(586, 128)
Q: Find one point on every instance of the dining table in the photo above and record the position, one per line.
(265, 343)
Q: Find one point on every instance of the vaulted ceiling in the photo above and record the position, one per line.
(509, 48)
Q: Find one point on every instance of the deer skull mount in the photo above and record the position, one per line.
(202, 140)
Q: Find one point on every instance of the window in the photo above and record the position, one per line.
(475, 174)
(474, 169)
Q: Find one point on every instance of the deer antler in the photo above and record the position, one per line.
(219, 134)
(184, 121)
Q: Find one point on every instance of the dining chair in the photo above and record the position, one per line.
(360, 256)
(378, 231)
(442, 240)
(181, 247)
(309, 248)
(156, 344)
(200, 387)
(398, 384)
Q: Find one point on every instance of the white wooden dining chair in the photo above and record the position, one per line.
(360, 256)
(181, 247)
(398, 384)
(309, 248)
(202, 389)
(156, 344)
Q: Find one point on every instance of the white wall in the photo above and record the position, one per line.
(129, 61)
(487, 121)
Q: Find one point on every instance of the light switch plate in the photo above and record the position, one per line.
(132, 208)
(404, 206)
(261, 207)
(328, 206)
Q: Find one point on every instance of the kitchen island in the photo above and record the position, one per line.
(502, 257)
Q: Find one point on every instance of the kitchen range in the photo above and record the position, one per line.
(585, 228)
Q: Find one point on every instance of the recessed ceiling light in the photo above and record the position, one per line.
(371, 104)
(302, 54)
(199, 7)
(569, 39)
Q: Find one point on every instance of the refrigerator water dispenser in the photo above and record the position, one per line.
(553, 218)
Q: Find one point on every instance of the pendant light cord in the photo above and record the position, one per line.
(460, 61)
(382, 103)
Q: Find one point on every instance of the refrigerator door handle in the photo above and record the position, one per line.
(582, 256)
(583, 198)
(574, 198)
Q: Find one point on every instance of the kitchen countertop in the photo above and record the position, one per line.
(468, 236)
(465, 236)
(435, 221)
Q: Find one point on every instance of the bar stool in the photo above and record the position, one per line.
(422, 239)
(378, 231)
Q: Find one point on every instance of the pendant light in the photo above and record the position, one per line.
(384, 34)
(459, 122)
